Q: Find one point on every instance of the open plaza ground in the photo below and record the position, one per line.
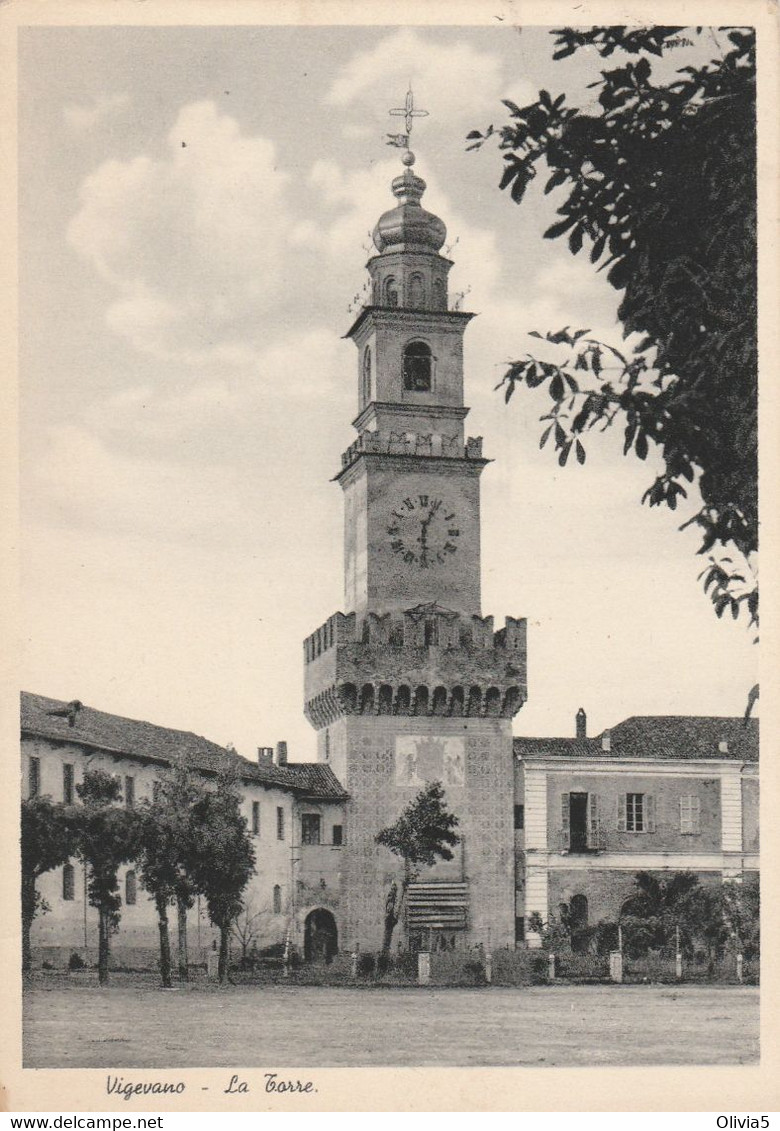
(141, 1026)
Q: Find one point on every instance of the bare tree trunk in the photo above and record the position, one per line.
(28, 914)
(103, 945)
(184, 966)
(224, 953)
(390, 922)
(391, 916)
(165, 941)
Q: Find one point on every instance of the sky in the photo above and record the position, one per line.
(195, 210)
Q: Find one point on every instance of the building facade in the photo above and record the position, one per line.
(657, 794)
(294, 813)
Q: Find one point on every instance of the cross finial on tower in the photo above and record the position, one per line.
(408, 113)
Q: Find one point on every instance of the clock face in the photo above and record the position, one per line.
(423, 531)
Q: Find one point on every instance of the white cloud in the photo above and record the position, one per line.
(82, 117)
(87, 484)
(439, 73)
(194, 240)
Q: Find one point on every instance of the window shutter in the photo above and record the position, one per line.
(594, 828)
(695, 815)
(621, 812)
(684, 815)
(650, 813)
(565, 837)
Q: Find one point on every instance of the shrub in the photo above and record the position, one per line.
(76, 962)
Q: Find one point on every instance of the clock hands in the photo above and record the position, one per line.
(428, 550)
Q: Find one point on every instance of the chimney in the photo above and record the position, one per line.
(723, 746)
(281, 754)
(581, 724)
(265, 753)
(606, 742)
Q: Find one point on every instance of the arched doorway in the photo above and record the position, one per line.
(578, 921)
(320, 936)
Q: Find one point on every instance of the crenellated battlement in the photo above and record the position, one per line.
(425, 661)
(412, 444)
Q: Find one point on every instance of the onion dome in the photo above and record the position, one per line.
(408, 227)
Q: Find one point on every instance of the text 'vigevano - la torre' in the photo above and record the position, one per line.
(411, 684)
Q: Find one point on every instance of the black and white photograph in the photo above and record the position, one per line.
(388, 552)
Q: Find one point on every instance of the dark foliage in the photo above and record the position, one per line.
(107, 837)
(661, 182)
(167, 844)
(47, 842)
(222, 858)
(422, 834)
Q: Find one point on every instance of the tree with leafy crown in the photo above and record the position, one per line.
(421, 835)
(222, 858)
(107, 837)
(661, 184)
(167, 846)
(48, 840)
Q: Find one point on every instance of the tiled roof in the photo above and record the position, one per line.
(318, 780)
(656, 736)
(137, 739)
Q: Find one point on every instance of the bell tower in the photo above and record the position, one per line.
(411, 480)
(411, 684)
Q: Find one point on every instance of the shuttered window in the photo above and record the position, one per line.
(594, 822)
(636, 813)
(131, 889)
(690, 810)
(68, 883)
(565, 822)
(34, 778)
(67, 783)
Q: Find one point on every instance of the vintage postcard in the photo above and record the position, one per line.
(388, 452)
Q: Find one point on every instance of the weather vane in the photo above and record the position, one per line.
(408, 113)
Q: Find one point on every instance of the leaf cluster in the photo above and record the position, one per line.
(222, 856)
(107, 836)
(424, 830)
(661, 185)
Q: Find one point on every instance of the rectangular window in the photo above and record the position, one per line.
(519, 816)
(67, 783)
(690, 811)
(255, 818)
(279, 823)
(34, 778)
(156, 787)
(310, 828)
(636, 813)
(68, 883)
(338, 834)
(129, 793)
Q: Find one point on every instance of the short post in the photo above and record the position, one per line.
(739, 968)
(551, 968)
(423, 968)
(616, 966)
